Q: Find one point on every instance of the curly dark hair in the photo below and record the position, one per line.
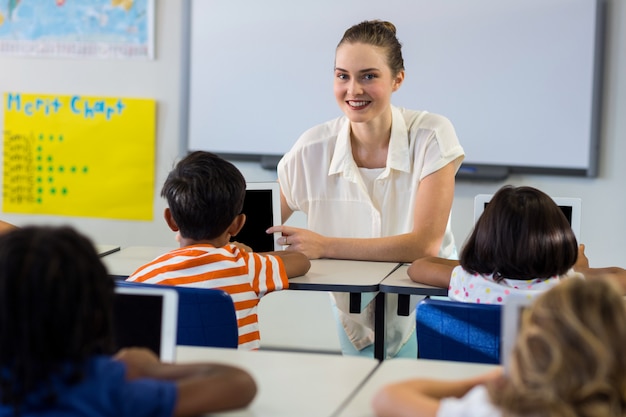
(56, 302)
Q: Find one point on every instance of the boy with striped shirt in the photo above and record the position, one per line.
(205, 195)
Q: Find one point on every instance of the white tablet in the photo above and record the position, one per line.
(570, 206)
(262, 209)
(512, 311)
(146, 317)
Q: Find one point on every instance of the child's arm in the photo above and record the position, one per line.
(432, 271)
(202, 387)
(296, 263)
(6, 227)
(612, 273)
(421, 397)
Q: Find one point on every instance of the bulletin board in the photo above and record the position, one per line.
(520, 80)
(81, 156)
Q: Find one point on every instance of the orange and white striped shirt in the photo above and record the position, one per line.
(246, 276)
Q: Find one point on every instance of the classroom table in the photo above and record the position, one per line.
(354, 277)
(126, 261)
(290, 384)
(399, 369)
(398, 282)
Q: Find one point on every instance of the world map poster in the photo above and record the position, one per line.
(106, 29)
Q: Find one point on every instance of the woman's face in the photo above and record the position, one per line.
(363, 81)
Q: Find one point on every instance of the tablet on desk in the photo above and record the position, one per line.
(512, 311)
(569, 206)
(146, 317)
(262, 209)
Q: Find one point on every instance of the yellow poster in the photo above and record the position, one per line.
(79, 156)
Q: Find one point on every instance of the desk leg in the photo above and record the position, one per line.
(404, 303)
(379, 326)
(355, 302)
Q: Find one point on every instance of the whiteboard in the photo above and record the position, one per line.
(519, 79)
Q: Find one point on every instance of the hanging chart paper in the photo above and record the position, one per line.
(79, 156)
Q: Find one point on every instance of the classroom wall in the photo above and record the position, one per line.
(603, 227)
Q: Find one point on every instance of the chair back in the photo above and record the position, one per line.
(458, 331)
(206, 317)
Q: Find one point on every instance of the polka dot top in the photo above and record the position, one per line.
(477, 288)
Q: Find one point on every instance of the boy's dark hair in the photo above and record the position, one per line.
(56, 303)
(522, 234)
(204, 193)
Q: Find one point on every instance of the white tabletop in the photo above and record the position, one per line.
(290, 384)
(398, 282)
(343, 275)
(324, 275)
(126, 261)
(395, 370)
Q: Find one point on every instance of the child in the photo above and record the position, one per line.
(205, 195)
(568, 361)
(522, 243)
(56, 318)
(6, 227)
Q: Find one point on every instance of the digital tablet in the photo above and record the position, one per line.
(146, 317)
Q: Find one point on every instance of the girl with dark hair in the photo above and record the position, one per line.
(56, 303)
(521, 243)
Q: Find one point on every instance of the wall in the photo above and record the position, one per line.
(603, 225)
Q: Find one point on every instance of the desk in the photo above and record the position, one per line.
(354, 277)
(398, 282)
(343, 276)
(395, 370)
(290, 384)
(104, 250)
(126, 261)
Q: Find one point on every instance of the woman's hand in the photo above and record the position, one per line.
(312, 244)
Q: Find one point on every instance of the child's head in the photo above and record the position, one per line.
(522, 234)
(569, 356)
(204, 193)
(55, 307)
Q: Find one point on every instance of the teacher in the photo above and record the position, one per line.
(376, 184)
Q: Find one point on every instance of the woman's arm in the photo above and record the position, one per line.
(421, 397)
(201, 388)
(430, 217)
(432, 270)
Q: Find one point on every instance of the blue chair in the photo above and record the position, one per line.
(456, 331)
(206, 317)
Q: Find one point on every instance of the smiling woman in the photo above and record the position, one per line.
(376, 184)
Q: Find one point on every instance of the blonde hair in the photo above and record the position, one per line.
(569, 357)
